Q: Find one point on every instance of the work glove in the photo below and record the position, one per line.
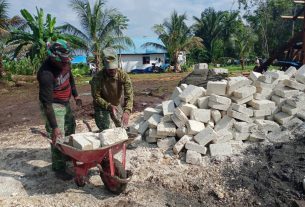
(78, 102)
(56, 134)
(125, 119)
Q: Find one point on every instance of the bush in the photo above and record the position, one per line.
(24, 66)
(79, 70)
(186, 67)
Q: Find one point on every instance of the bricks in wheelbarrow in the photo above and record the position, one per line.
(111, 136)
(86, 141)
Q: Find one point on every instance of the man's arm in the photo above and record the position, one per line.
(72, 83)
(128, 94)
(96, 93)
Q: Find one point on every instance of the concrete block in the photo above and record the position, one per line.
(193, 146)
(239, 116)
(194, 100)
(180, 132)
(294, 84)
(240, 136)
(177, 101)
(225, 123)
(224, 136)
(262, 112)
(223, 113)
(218, 106)
(286, 92)
(290, 109)
(93, 138)
(301, 114)
(177, 91)
(235, 83)
(264, 91)
(216, 115)
(194, 127)
(257, 136)
(265, 78)
(151, 140)
(242, 100)
(254, 76)
(168, 107)
(187, 108)
(191, 92)
(243, 127)
(180, 115)
(153, 133)
(112, 136)
(166, 143)
(220, 99)
(166, 119)
(242, 109)
(291, 71)
(193, 157)
(205, 136)
(267, 126)
(261, 104)
(202, 115)
(177, 121)
(300, 75)
(166, 129)
(259, 84)
(216, 87)
(259, 96)
(279, 101)
(293, 124)
(282, 118)
(244, 92)
(211, 124)
(183, 86)
(180, 144)
(81, 143)
(201, 66)
(297, 101)
(154, 120)
(220, 149)
(148, 112)
(143, 127)
(202, 102)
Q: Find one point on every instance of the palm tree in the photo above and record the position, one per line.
(101, 27)
(211, 26)
(32, 37)
(176, 37)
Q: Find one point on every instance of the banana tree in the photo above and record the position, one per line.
(176, 37)
(101, 27)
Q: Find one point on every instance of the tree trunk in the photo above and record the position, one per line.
(1, 67)
(242, 62)
(97, 61)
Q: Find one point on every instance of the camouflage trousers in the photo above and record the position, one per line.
(66, 123)
(103, 117)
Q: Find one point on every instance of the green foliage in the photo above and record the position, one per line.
(80, 70)
(186, 67)
(24, 66)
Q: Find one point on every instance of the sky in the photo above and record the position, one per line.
(142, 14)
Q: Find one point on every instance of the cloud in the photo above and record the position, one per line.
(142, 14)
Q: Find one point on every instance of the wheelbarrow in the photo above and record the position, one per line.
(112, 171)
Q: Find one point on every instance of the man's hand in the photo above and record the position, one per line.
(78, 101)
(56, 133)
(113, 109)
(125, 119)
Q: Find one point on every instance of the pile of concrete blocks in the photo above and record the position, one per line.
(201, 75)
(225, 114)
(90, 140)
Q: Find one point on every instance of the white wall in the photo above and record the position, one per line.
(130, 62)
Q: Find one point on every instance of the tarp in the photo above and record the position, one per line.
(79, 59)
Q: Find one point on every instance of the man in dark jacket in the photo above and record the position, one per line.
(56, 85)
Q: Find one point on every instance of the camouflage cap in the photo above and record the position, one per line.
(110, 58)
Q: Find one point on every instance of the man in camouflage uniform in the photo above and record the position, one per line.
(107, 88)
(56, 85)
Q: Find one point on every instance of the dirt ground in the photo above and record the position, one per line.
(263, 174)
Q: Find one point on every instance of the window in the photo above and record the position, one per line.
(146, 59)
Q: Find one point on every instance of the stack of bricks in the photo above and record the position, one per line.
(226, 113)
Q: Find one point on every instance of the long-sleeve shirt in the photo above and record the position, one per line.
(55, 86)
(108, 90)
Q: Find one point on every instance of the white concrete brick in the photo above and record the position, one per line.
(211, 124)
(166, 143)
(216, 87)
(262, 112)
(187, 108)
(205, 136)
(220, 99)
(242, 109)
(259, 84)
(220, 149)
(261, 104)
(265, 78)
(290, 109)
(201, 66)
(294, 84)
(153, 133)
(257, 136)
(293, 124)
(180, 144)
(240, 136)
(286, 92)
(254, 76)
(224, 136)
(166, 129)
(202, 102)
(193, 157)
(177, 91)
(267, 126)
(235, 83)
(114, 135)
(225, 123)
(242, 100)
(300, 75)
(148, 112)
(239, 116)
(215, 105)
(81, 143)
(93, 138)
(202, 115)
(151, 140)
(301, 114)
(297, 101)
(168, 107)
(191, 92)
(243, 127)
(195, 98)
(216, 115)
(244, 92)
(177, 121)
(194, 127)
(291, 71)
(143, 127)
(278, 100)
(193, 146)
(183, 86)
(154, 120)
(259, 96)
(282, 118)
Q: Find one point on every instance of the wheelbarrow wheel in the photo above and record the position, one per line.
(112, 184)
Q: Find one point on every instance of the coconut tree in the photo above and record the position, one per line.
(176, 37)
(100, 27)
(37, 31)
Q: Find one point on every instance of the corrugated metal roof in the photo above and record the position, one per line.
(139, 41)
